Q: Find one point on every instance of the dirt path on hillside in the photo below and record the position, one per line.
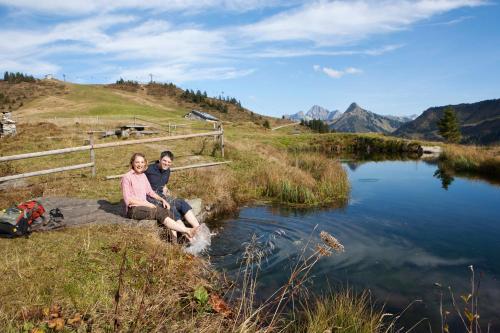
(286, 125)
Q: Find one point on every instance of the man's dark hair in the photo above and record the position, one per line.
(167, 153)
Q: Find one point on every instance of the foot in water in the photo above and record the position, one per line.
(192, 233)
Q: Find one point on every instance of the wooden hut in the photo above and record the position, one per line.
(198, 115)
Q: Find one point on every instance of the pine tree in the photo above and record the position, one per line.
(449, 127)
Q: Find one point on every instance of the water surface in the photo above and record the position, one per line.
(404, 229)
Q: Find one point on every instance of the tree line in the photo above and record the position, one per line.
(121, 81)
(17, 77)
(316, 125)
(217, 103)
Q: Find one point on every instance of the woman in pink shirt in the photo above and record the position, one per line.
(135, 187)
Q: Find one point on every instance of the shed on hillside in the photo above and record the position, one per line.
(198, 115)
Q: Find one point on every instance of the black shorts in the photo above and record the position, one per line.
(146, 213)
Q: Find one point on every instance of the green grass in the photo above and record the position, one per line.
(78, 269)
(104, 102)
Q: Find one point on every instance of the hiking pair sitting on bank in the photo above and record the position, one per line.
(147, 197)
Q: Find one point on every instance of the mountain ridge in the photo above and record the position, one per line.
(479, 122)
(355, 119)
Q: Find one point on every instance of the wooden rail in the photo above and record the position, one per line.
(91, 147)
(46, 172)
(106, 145)
(192, 166)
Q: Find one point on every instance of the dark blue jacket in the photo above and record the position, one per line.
(157, 177)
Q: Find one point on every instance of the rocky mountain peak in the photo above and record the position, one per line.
(353, 108)
(315, 112)
(318, 112)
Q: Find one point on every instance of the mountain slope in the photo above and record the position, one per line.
(479, 123)
(358, 120)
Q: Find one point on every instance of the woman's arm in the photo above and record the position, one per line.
(137, 202)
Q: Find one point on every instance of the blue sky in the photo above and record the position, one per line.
(391, 57)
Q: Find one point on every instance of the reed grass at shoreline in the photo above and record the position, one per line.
(478, 160)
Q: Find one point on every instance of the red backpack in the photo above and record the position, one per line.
(16, 221)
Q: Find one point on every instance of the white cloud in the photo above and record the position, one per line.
(455, 21)
(37, 68)
(333, 72)
(193, 51)
(288, 53)
(82, 7)
(333, 23)
(183, 72)
(352, 70)
(183, 52)
(337, 74)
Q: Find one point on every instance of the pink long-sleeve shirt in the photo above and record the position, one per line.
(135, 186)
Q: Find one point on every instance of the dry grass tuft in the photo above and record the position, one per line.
(473, 159)
(304, 179)
(217, 187)
(342, 311)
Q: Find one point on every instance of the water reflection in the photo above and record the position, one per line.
(402, 234)
(445, 177)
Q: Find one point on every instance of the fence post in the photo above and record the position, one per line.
(92, 153)
(169, 130)
(221, 140)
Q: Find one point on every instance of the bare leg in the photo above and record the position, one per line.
(174, 235)
(179, 226)
(191, 219)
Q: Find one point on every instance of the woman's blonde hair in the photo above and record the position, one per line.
(134, 156)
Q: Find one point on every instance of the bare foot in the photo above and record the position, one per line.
(191, 233)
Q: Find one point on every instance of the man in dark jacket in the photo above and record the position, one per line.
(158, 175)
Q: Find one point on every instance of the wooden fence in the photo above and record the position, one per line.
(218, 134)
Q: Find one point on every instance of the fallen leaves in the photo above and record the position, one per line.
(51, 317)
(219, 305)
(56, 324)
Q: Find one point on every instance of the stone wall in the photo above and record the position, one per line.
(7, 125)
